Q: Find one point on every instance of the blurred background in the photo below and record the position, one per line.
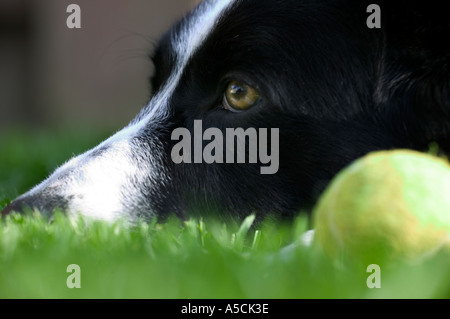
(55, 77)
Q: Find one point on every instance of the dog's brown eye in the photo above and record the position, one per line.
(240, 96)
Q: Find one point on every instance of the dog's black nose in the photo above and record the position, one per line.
(45, 204)
(15, 206)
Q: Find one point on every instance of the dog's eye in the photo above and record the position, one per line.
(240, 97)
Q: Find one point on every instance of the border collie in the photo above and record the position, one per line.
(332, 87)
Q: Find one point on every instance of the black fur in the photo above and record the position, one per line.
(335, 88)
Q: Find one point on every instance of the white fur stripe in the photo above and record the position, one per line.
(185, 44)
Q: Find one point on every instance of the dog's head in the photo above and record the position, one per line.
(309, 84)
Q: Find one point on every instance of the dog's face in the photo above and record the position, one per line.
(333, 88)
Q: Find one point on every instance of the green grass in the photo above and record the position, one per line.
(175, 259)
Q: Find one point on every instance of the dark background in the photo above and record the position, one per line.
(55, 77)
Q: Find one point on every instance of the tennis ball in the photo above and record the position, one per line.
(386, 205)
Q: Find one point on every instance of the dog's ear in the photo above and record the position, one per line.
(414, 70)
(413, 24)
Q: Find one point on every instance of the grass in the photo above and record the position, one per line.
(194, 259)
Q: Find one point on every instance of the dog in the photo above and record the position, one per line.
(333, 86)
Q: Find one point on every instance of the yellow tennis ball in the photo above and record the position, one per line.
(388, 204)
